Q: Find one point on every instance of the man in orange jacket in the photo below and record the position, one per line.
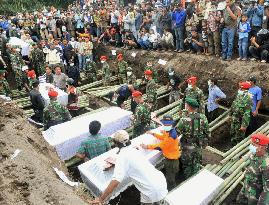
(169, 145)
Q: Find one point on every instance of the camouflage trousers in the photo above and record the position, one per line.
(91, 77)
(106, 80)
(18, 79)
(174, 96)
(191, 160)
(236, 135)
(171, 167)
(139, 130)
(243, 199)
(155, 203)
(122, 78)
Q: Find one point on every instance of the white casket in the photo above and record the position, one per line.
(67, 137)
(198, 190)
(97, 179)
(44, 89)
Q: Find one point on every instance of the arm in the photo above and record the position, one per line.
(233, 16)
(112, 185)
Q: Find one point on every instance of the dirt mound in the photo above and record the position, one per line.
(186, 64)
(29, 178)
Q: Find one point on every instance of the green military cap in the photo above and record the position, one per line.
(192, 102)
(33, 44)
(2, 71)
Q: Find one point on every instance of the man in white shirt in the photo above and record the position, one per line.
(132, 164)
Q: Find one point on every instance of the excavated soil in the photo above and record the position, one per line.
(29, 178)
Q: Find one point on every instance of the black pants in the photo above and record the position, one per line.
(253, 125)
(38, 116)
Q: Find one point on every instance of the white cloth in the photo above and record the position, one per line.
(146, 178)
(198, 190)
(67, 137)
(62, 97)
(97, 180)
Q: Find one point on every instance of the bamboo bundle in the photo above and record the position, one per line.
(96, 84)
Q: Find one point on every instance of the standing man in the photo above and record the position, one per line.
(169, 145)
(214, 96)
(122, 69)
(132, 164)
(230, 14)
(192, 91)
(195, 132)
(4, 86)
(38, 60)
(240, 113)
(105, 71)
(49, 76)
(16, 65)
(55, 113)
(95, 145)
(256, 95)
(154, 71)
(60, 78)
(131, 78)
(90, 69)
(142, 116)
(175, 84)
(151, 90)
(256, 183)
(38, 103)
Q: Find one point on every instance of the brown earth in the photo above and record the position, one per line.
(29, 178)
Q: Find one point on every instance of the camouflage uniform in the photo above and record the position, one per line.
(16, 64)
(106, 74)
(131, 79)
(38, 61)
(240, 116)
(122, 66)
(54, 114)
(256, 182)
(91, 71)
(154, 71)
(196, 94)
(142, 119)
(195, 131)
(151, 92)
(4, 87)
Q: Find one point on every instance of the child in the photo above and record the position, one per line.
(205, 37)
(243, 33)
(153, 39)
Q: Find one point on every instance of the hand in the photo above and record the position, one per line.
(253, 40)
(243, 129)
(217, 100)
(255, 113)
(96, 201)
(143, 146)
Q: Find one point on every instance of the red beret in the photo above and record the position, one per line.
(148, 72)
(136, 93)
(31, 74)
(192, 79)
(120, 56)
(53, 93)
(103, 58)
(244, 85)
(260, 139)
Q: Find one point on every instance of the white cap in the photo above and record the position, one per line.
(24, 68)
(121, 136)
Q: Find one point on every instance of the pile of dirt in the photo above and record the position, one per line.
(229, 74)
(29, 178)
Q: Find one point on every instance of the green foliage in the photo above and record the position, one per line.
(9, 7)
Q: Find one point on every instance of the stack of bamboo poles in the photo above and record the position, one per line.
(102, 91)
(231, 167)
(96, 84)
(18, 94)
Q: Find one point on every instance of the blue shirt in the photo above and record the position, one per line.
(256, 96)
(214, 93)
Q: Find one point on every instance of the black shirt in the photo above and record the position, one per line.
(37, 100)
(174, 81)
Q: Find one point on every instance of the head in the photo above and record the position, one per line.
(259, 144)
(192, 82)
(25, 69)
(31, 74)
(168, 123)
(70, 82)
(194, 32)
(191, 104)
(2, 73)
(244, 17)
(120, 57)
(35, 84)
(129, 71)
(121, 139)
(252, 80)
(171, 72)
(211, 82)
(65, 42)
(243, 87)
(103, 59)
(58, 70)
(137, 96)
(148, 74)
(53, 95)
(48, 70)
(94, 127)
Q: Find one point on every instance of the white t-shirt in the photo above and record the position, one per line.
(146, 178)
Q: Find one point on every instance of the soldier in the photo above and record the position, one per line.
(154, 71)
(192, 91)
(38, 59)
(195, 131)
(240, 113)
(32, 78)
(131, 78)
(142, 116)
(151, 90)
(90, 70)
(122, 69)
(256, 183)
(4, 86)
(55, 113)
(175, 84)
(16, 64)
(105, 71)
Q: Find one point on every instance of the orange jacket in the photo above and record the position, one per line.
(168, 145)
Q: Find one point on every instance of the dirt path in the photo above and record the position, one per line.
(29, 179)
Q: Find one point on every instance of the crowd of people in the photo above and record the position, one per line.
(56, 46)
